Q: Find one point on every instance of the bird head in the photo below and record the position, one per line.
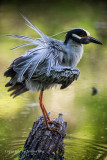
(80, 36)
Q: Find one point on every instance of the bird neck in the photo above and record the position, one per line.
(73, 52)
(70, 42)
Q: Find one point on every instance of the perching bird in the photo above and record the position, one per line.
(51, 62)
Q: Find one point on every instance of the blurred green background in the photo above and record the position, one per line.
(86, 115)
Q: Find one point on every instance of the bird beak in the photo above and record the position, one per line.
(92, 39)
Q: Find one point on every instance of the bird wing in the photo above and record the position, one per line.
(59, 74)
(65, 75)
(46, 53)
(37, 58)
(26, 66)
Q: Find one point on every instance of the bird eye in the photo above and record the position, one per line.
(82, 35)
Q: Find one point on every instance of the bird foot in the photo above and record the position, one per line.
(54, 122)
(52, 129)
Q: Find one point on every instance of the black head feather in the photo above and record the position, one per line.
(80, 36)
(77, 31)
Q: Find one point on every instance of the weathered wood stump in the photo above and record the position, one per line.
(43, 144)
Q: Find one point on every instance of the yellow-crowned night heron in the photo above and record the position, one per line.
(51, 62)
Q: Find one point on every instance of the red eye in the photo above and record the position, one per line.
(82, 35)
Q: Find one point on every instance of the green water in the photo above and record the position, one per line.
(86, 115)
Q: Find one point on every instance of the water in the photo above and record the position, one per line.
(86, 115)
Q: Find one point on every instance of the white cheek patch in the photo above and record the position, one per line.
(75, 35)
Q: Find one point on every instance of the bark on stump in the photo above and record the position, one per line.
(43, 144)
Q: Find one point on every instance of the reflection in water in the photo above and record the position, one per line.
(76, 149)
(11, 148)
(84, 149)
(85, 114)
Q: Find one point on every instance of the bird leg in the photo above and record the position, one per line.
(45, 115)
(42, 106)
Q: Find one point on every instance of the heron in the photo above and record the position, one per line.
(49, 63)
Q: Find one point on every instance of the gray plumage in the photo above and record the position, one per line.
(51, 62)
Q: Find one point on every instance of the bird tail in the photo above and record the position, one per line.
(17, 87)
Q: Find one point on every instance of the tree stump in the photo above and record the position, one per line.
(43, 144)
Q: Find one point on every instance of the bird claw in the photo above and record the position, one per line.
(52, 129)
(54, 122)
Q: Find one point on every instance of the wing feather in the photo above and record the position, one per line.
(21, 37)
(25, 44)
(35, 28)
(25, 68)
(34, 67)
